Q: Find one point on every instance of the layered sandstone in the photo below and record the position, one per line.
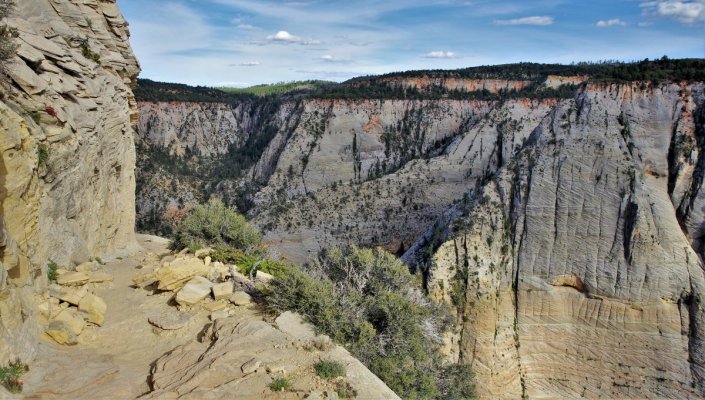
(67, 178)
(570, 270)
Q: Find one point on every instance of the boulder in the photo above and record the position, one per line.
(73, 278)
(178, 272)
(169, 320)
(203, 252)
(194, 291)
(223, 290)
(144, 279)
(250, 366)
(94, 307)
(207, 260)
(263, 277)
(73, 320)
(89, 266)
(240, 298)
(68, 294)
(216, 305)
(61, 333)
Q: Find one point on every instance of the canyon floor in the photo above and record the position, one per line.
(200, 360)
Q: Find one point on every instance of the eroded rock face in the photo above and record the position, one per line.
(570, 270)
(67, 172)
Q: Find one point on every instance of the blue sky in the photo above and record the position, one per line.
(246, 42)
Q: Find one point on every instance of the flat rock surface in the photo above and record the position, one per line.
(115, 361)
(169, 320)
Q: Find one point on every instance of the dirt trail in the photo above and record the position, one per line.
(240, 355)
(112, 361)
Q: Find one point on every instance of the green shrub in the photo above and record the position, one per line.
(215, 224)
(8, 47)
(329, 369)
(42, 154)
(51, 271)
(368, 300)
(457, 383)
(36, 117)
(10, 376)
(280, 385)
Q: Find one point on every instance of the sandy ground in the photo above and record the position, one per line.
(112, 361)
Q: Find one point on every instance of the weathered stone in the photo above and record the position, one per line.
(145, 278)
(88, 266)
(263, 277)
(240, 298)
(72, 319)
(216, 305)
(73, 278)
(203, 252)
(250, 366)
(94, 307)
(170, 320)
(178, 272)
(61, 332)
(68, 294)
(222, 290)
(194, 291)
(219, 314)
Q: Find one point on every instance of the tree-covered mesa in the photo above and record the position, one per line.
(378, 87)
(364, 299)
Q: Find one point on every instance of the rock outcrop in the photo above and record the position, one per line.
(67, 171)
(576, 270)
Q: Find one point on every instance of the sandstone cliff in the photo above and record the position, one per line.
(567, 232)
(576, 270)
(67, 177)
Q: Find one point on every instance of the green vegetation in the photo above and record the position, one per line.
(278, 88)
(329, 369)
(42, 154)
(248, 264)
(383, 87)
(368, 300)
(10, 376)
(215, 224)
(8, 47)
(148, 90)
(51, 271)
(280, 385)
(88, 53)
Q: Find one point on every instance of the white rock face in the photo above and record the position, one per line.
(67, 177)
(570, 270)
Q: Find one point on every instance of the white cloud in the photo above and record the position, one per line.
(441, 54)
(687, 12)
(645, 24)
(538, 20)
(333, 59)
(611, 22)
(246, 64)
(286, 37)
(247, 27)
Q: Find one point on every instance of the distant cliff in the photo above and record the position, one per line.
(67, 174)
(561, 217)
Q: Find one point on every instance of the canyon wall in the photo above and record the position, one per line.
(566, 232)
(576, 270)
(68, 158)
